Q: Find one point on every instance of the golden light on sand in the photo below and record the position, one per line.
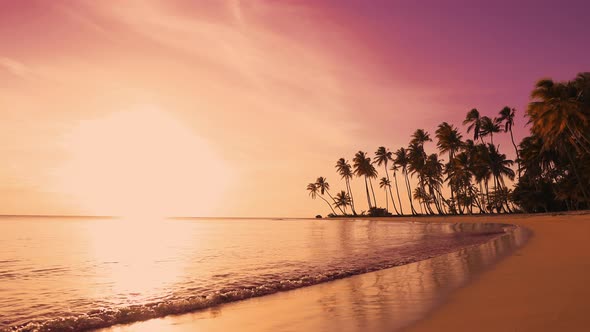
(141, 162)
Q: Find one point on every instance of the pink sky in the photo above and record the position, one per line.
(229, 108)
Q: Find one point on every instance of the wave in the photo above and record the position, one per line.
(101, 318)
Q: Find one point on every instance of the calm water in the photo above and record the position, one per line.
(79, 273)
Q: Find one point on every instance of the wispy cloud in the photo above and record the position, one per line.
(16, 68)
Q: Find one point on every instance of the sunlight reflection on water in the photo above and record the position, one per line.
(104, 271)
(385, 300)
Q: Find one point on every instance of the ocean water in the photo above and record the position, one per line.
(81, 273)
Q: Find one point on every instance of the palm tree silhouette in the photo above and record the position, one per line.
(314, 192)
(499, 167)
(345, 170)
(362, 167)
(473, 120)
(382, 157)
(342, 200)
(449, 141)
(324, 187)
(395, 168)
(385, 184)
(507, 117)
(402, 160)
(489, 127)
(417, 159)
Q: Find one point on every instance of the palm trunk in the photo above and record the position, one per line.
(386, 200)
(399, 200)
(409, 189)
(451, 184)
(515, 150)
(580, 183)
(390, 194)
(481, 198)
(436, 200)
(330, 205)
(373, 192)
(350, 194)
(367, 190)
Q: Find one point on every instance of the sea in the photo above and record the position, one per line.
(83, 273)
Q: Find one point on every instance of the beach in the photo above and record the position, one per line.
(541, 286)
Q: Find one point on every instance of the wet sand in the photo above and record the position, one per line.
(545, 286)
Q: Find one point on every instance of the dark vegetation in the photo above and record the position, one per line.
(551, 171)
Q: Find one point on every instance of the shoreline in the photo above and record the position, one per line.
(455, 269)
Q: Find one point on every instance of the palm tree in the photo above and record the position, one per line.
(345, 170)
(420, 136)
(449, 140)
(459, 176)
(382, 157)
(394, 168)
(324, 187)
(423, 198)
(362, 167)
(385, 184)
(402, 160)
(499, 167)
(417, 158)
(473, 120)
(342, 200)
(489, 127)
(313, 192)
(478, 161)
(507, 117)
(560, 114)
(433, 170)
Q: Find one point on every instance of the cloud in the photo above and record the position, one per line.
(16, 68)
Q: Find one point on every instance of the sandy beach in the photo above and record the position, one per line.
(541, 286)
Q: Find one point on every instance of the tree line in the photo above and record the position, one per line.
(551, 171)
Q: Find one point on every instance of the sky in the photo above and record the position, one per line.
(229, 107)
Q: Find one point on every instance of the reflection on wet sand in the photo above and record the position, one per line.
(385, 300)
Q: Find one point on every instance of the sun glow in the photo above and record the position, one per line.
(141, 163)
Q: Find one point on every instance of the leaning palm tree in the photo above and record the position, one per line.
(382, 157)
(489, 127)
(507, 117)
(324, 187)
(474, 121)
(395, 168)
(345, 170)
(314, 192)
(361, 167)
(342, 200)
(385, 184)
(402, 160)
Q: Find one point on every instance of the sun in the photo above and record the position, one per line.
(141, 162)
